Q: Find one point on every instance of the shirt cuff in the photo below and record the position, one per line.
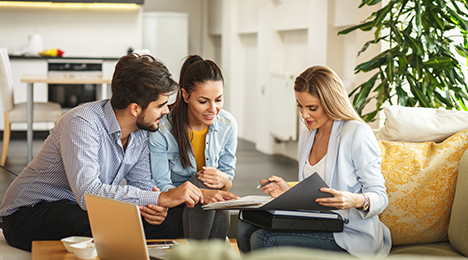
(149, 197)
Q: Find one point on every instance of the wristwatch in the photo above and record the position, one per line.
(366, 204)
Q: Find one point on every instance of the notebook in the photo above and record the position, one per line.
(118, 231)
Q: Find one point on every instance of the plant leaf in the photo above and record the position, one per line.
(359, 100)
(434, 13)
(458, 20)
(367, 26)
(417, 11)
(414, 45)
(370, 117)
(396, 33)
(370, 2)
(382, 13)
(366, 45)
(438, 62)
(376, 62)
(462, 51)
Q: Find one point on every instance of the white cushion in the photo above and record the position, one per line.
(8, 252)
(419, 124)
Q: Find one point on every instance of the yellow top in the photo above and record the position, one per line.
(198, 145)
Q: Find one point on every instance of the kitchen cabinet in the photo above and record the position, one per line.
(38, 65)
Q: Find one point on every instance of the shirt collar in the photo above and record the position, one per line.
(112, 122)
(114, 127)
(215, 125)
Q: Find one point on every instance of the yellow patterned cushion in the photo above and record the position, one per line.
(420, 180)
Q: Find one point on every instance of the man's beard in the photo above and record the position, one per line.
(146, 126)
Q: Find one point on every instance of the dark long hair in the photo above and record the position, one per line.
(194, 70)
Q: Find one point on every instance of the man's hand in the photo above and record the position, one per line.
(210, 196)
(153, 214)
(186, 193)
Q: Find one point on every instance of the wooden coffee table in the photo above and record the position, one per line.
(54, 250)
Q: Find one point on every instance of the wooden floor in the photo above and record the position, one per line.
(252, 166)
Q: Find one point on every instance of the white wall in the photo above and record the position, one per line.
(262, 37)
(194, 8)
(76, 31)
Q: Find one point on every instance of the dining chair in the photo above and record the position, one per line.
(16, 113)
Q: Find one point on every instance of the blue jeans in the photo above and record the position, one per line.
(250, 237)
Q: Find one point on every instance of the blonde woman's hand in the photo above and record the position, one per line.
(341, 199)
(277, 186)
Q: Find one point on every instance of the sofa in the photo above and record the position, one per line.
(425, 166)
(8, 252)
(457, 241)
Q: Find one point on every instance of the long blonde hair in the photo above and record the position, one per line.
(323, 83)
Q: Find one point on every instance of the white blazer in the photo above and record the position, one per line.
(353, 164)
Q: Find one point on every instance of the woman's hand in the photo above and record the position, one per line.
(214, 178)
(277, 186)
(210, 196)
(341, 199)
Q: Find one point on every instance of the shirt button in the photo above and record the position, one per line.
(207, 159)
(176, 157)
(206, 142)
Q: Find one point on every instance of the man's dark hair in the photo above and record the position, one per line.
(139, 79)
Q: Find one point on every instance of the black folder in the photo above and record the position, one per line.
(269, 220)
(300, 197)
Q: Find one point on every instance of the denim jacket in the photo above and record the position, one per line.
(220, 152)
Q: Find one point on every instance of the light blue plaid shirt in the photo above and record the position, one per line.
(84, 154)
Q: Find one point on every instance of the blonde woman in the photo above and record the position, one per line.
(342, 149)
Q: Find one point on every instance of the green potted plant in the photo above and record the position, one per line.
(420, 67)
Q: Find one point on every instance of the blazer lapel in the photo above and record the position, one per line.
(332, 152)
(306, 152)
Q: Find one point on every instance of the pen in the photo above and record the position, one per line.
(264, 184)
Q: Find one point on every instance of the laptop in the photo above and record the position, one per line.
(118, 231)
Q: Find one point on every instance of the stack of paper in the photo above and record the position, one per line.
(244, 202)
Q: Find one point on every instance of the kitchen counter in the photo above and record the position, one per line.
(22, 57)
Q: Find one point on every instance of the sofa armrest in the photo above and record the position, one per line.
(458, 226)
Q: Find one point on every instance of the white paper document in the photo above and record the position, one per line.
(244, 202)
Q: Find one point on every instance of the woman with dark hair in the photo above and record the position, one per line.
(342, 149)
(197, 142)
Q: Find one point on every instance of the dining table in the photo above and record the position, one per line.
(31, 79)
